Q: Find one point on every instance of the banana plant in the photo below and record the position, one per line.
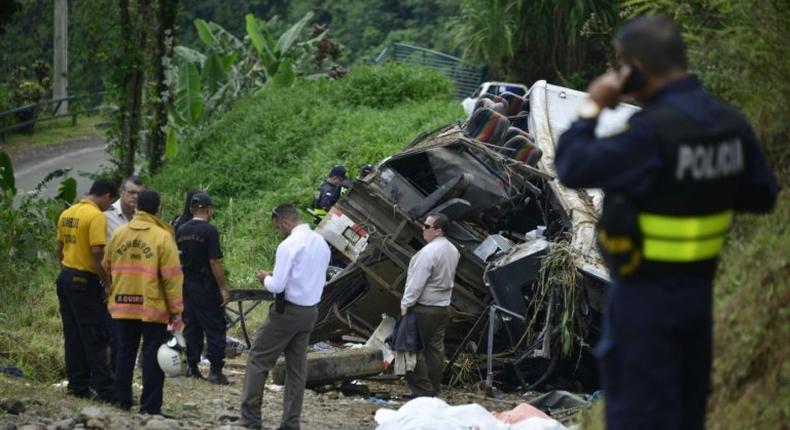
(277, 57)
(206, 82)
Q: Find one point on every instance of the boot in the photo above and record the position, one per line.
(215, 376)
(194, 372)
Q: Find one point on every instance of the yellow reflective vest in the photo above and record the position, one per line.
(142, 259)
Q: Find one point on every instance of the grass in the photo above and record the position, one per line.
(55, 132)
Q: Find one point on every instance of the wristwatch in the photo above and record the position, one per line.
(589, 109)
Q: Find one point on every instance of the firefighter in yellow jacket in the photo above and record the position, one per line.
(142, 260)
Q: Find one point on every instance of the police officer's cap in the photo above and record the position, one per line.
(200, 200)
(338, 171)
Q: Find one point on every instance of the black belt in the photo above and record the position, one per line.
(299, 306)
(80, 272)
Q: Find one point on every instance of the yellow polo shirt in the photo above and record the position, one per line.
(79, 228)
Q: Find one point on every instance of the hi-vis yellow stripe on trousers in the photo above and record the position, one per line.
(681, 239)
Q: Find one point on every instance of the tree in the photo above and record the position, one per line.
(60, 62)
(162, 59)
(129, 82)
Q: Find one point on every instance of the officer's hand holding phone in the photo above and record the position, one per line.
(606, 89)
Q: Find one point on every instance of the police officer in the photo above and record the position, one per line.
(82, 234)
(672, 180)
(329, 190)
(146, 295)
(205, 289)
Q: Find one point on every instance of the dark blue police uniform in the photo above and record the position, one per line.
(198, 243)
(328, 195)
(672, 179)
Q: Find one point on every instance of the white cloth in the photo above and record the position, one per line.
(405, 361)
(431, 274)
(430, 413)
(300, 267)
(115, 218)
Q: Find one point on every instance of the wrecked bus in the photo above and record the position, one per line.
(530, 283)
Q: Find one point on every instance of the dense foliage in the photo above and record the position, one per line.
(363, 28)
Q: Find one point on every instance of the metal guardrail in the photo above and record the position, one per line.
(466, 77)
(40, 114)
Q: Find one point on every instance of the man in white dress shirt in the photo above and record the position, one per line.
(428, 290)
(122, 211)
(299, 274)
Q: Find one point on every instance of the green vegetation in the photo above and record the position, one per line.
(30, 338)
(752, 324)
(278, 145)
(272, 147)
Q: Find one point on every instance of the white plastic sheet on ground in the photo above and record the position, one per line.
(430, 413)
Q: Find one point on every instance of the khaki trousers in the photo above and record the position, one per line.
(288, 332)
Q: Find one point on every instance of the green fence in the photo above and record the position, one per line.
(466, 77)
(26, 117)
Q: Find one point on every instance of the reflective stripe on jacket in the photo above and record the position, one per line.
(147, 282)
(683, 239)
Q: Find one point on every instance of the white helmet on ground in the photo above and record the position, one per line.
(172, 356)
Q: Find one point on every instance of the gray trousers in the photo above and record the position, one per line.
(288, 332)
(426, 379)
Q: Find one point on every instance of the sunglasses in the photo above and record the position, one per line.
(428, 226)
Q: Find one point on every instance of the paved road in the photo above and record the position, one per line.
(82, 156)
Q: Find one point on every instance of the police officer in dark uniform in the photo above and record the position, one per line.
(329, 190)
(205, 289)
(672, 180)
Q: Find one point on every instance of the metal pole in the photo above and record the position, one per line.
(490, 352)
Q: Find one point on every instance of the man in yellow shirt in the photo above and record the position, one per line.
(81, 287)
(146, 295)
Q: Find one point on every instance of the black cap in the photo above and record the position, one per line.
(338, 171)
(200, 200)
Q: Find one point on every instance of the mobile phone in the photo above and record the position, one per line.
(634, 82)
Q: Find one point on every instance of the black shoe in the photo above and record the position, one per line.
(215, 376)
(194, 372)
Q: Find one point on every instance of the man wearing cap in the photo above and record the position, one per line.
(329, 191)
(205, 289)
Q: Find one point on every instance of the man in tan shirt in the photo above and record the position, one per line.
(428, 290)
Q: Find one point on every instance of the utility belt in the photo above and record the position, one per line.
(634, 242)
